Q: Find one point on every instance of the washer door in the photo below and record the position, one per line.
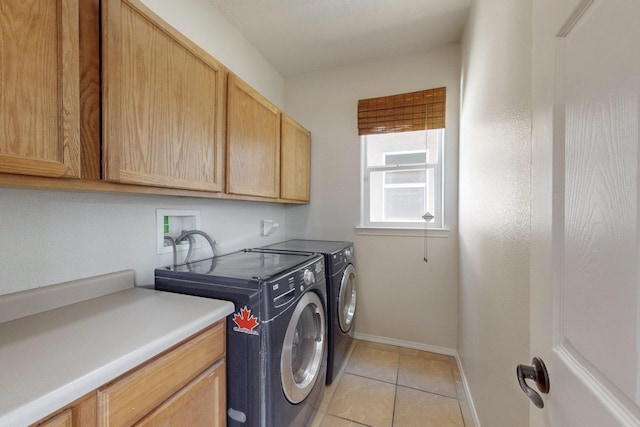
(303, 348)
(347, 299)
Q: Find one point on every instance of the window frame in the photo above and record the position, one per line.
(365, 180)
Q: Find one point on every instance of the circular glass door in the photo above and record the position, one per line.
(303, 348)
(347, 299)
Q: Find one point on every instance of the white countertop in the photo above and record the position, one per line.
(50, 359)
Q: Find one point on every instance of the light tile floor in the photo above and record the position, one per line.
(388, 386)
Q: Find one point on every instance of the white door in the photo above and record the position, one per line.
(585, 317)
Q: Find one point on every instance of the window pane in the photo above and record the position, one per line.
(405, 158)
(406, 199)
(405, 177)
(401, 190)
(386, 149)
(401, 204)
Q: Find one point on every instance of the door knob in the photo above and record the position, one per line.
(538, 373)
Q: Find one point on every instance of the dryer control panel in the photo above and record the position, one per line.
(341, 258)
(286, 289)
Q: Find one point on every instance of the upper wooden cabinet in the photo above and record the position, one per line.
(163, 101)
(253, 142)
(108, 92)
(295, 163)
(39, 88)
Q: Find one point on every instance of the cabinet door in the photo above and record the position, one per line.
(137, 393)
(201, 403)
(64, 419)
(295, 161)
(39, 88)
(253, 142)
(81, 413)
(163, 101)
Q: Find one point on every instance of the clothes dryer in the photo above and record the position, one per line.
(341, 293)
(275, 339)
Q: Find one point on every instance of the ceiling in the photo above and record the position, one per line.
(298, 36)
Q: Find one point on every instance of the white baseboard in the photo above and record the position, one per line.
(433, 349)
(467, 391)
(407, 344)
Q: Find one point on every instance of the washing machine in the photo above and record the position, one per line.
(276, 338)
(341, 293)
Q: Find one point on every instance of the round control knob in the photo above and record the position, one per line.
(348, 253)
(308, 277)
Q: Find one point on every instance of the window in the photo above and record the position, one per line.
(402, 139)
(402, 178)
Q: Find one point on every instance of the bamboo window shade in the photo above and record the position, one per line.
(406, 112)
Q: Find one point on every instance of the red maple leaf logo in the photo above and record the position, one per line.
(245, 320)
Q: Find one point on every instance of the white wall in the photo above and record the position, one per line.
(400, 296)
(48, 237)
(495, 164)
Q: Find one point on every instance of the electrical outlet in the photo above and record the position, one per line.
(172, 222)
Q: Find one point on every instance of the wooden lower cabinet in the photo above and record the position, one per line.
(200, 403)
(185, 386)
(65, 419)
(82, 412)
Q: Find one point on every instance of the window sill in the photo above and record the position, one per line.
(402, 231)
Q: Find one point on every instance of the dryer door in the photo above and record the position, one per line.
(303, 348)
(347, 299)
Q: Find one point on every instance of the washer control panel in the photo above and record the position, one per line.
(290, 286)
(308, 277)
